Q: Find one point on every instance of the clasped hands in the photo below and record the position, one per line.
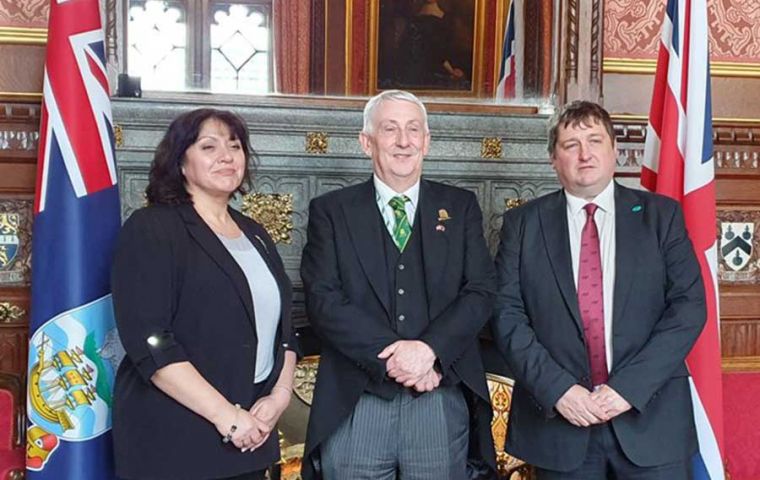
(254, 426)
(583, 408)
(410, 363)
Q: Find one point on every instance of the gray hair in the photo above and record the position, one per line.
(388, 95)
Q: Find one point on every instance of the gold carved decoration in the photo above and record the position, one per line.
(491, 147)
(316, 143)
(305, 378)
(510, 203)
(500, 392)
(291, 451)
(290, 459)
(10, 312)
(118, 135)
(273, 211)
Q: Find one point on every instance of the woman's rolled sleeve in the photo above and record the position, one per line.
(144, 289)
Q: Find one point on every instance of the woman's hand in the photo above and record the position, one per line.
(258, 432)
(268, 408)
(265, 413)
(249, 431)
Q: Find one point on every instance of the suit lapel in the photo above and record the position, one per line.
(255, 235)
(553, 217)
(435, 244)
(364, 227)
(208, 241)
(627, 243)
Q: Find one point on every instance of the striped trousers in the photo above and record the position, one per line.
(411, 437)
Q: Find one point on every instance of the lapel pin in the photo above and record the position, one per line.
(440, 228)
(443, 215)
(637, 208)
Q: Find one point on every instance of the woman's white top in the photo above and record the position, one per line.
(266, 300)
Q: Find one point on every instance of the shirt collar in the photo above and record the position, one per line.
(385, 193)
(605, 200)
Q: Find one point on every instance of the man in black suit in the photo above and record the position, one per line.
(398, 283)
(599, 301)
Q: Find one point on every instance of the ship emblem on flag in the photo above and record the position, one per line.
(736, 244)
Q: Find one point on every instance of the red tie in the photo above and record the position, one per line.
(590, 297)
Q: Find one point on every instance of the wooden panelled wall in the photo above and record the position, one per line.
(22, 50)
(737, 141)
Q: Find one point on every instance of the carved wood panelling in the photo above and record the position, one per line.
(632, 29)
(571, 42)
(740, 338)
(581, 57)
(736, 147)
(13, 349)
(19, 131)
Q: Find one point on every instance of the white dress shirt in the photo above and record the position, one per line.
(605, 224)
(383, 195)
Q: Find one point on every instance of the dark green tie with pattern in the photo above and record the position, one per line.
(401, 230)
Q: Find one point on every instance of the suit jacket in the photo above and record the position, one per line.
(659, 311)
(348, 301)
(175, 283)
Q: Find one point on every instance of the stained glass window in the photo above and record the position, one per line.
(221, 46)
(240, 49)
(157, 50)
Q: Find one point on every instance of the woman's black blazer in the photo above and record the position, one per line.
(180, 296)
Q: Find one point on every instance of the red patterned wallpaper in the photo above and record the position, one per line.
(632, 29)
(24, 13)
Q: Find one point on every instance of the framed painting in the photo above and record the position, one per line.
(430, 47)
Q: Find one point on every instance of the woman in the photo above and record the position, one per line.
(202, 305)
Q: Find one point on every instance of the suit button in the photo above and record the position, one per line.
(401, 266)
(400, 291)
(401, 318)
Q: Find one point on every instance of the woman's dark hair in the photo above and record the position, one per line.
(166, 183)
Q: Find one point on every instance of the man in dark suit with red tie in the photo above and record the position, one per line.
(599, 301)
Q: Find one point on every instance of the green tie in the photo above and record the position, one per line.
(401, 230)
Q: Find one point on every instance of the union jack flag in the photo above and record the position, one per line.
(73, 347)
(678, 162)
